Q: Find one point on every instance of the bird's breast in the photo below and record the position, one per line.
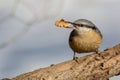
(85, 42)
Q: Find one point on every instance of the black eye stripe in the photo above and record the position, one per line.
(92, 27)
(83, 25)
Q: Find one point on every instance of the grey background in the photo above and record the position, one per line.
(29, 39)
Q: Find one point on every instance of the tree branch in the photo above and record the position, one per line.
(99, 66)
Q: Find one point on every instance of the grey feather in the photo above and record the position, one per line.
(86, 23)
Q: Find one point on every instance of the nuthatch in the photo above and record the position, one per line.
(85, 37)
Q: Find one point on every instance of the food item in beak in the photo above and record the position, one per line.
(63, 23)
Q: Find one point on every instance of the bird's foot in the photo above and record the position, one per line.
(106, 49)
(76, 59)
(97, 51)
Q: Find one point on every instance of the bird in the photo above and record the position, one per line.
(85, 37)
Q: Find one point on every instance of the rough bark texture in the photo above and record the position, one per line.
(91, 67)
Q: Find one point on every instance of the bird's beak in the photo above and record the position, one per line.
(74, 25)
(70, 27)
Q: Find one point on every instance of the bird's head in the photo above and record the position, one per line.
(85, 25)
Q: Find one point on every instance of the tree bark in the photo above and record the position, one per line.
(99, 66)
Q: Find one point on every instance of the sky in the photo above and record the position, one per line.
(29, 39)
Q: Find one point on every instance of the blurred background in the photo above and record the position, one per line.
(29, 39)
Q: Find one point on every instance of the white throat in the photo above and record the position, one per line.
(84, 29)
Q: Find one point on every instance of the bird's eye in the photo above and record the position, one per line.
(81, 25)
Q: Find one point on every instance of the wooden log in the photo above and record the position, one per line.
(99, 66)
